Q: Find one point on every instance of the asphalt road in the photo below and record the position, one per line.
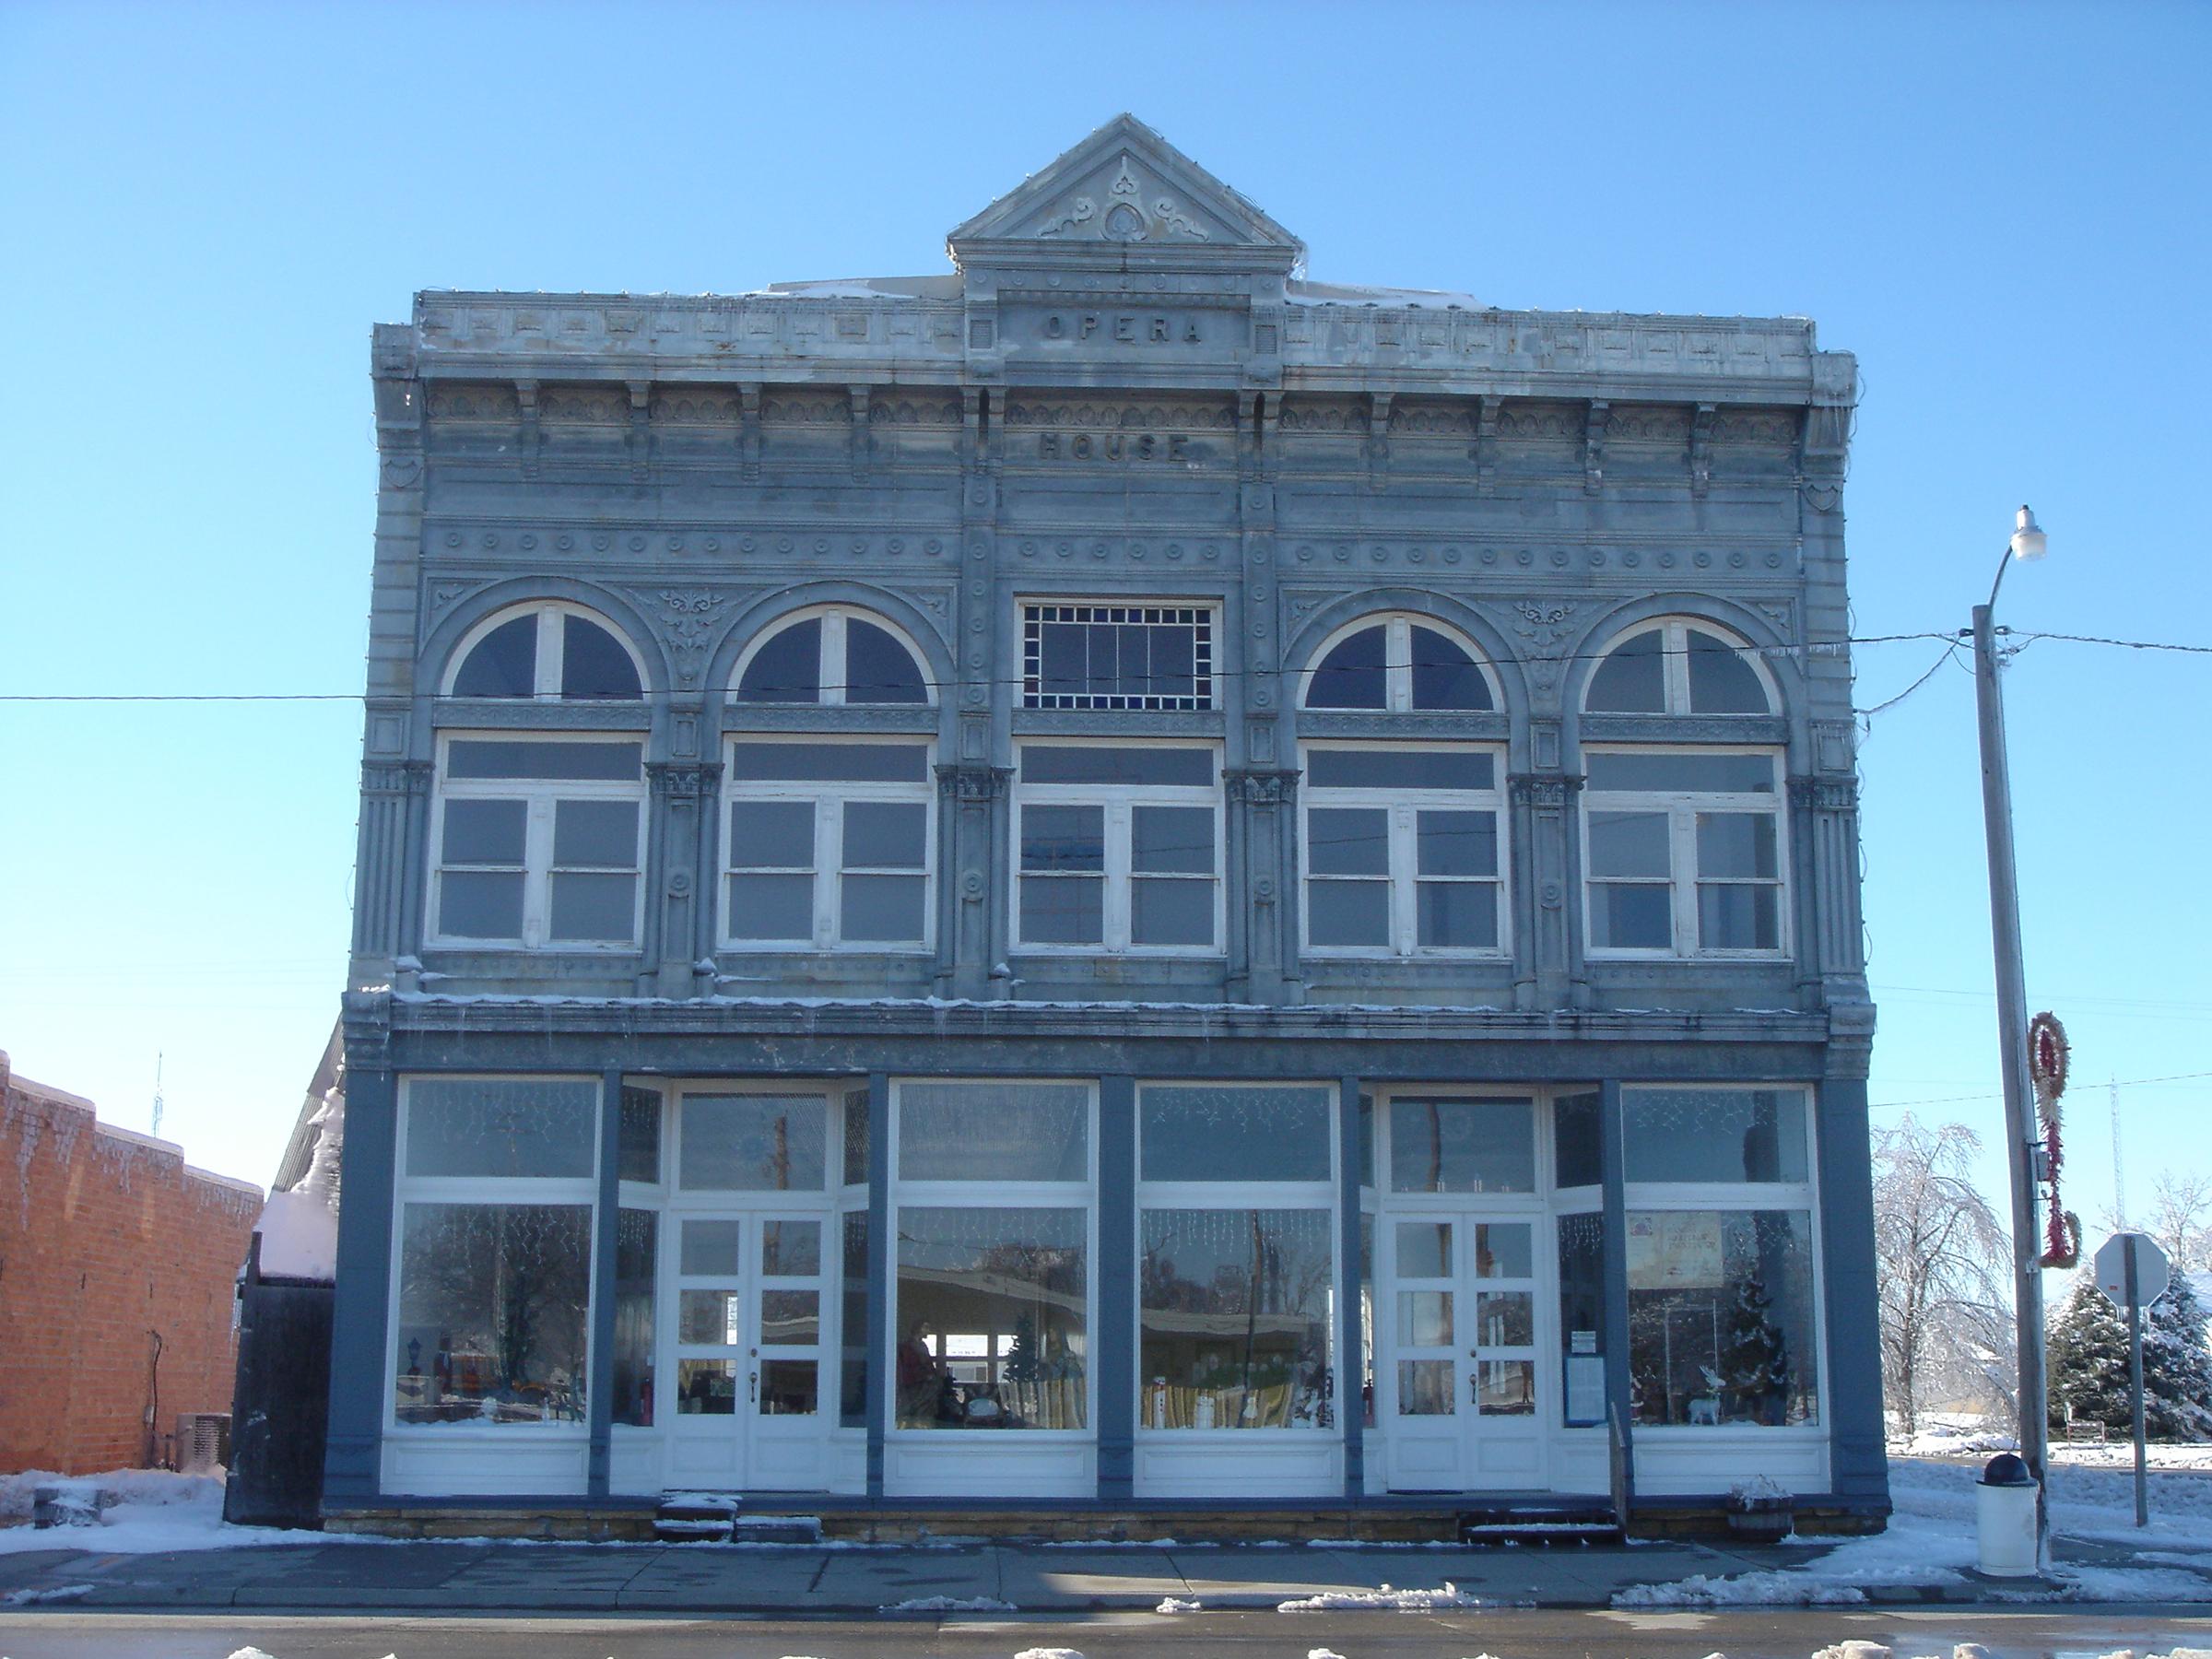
(1510, 1634)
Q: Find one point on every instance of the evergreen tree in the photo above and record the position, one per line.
(2177, 1366)
(2086, 1360)
(1754, 1366)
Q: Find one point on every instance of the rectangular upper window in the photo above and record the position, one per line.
(1117, 656)
(1405, 851)
(1684, 852)
(1117, 847)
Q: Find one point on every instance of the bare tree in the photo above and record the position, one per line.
(2181, 1219)
(1943, 1261)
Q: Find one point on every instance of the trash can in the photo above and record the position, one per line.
(2004, 1518)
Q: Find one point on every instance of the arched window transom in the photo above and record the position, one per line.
(1395, 665)
(1676, 666)
(552, 651)
(835, 655)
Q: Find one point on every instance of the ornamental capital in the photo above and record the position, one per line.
(684, 776)
(396, 777)
(1542, 789)
(1825, 792)
(1261, 785)
(971, 781)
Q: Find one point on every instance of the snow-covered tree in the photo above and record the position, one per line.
(1942, 1268)
(2088, 1364)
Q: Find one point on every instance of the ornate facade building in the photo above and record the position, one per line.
(1110, 879)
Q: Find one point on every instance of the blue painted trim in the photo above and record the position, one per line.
(1613, 1174)
(1115, 1344)
(882, 1369)
(1351, 1407)
(1858, 1462)
(599, 1389)
(352, 1464)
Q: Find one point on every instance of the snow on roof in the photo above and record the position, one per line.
(945, 287)
(1360, 293)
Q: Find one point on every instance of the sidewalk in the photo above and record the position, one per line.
(810, 1579)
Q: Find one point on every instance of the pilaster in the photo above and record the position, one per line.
(352, 1464)
(1262, 870)
(973, 843)
(680, 872)
(1830, 952)
(390, 856)
(1547, 966)
(1117, 1272)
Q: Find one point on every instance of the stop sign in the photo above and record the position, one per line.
(2151, 1276)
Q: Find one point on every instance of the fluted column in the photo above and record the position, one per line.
(391, 859)
(973, 885)
(1548, 957)
(679, 873)
(1262, 870)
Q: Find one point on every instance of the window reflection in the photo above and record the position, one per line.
(992, 1313)
(1235, 1318)
(493, 1313)
(1461, 1145)
(1721, 1325)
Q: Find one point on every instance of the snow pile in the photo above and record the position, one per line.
(1382, 1600)
(31, 1599)
(1175, 1604)
(134, 1489)
(1931, 1542)
(1323, 1652)
(300, 1229)
(1048, 1653)
(951, 1604)
(159, 1512)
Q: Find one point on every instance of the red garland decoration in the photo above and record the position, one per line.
(2049, 1059)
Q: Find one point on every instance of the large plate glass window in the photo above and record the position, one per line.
(1089, 655)
(827, 844)
(1723, 1326)
(1118, 847)
(992, 1291)
(491, 1309)
(1236, 1268)
(538, 841)
(1404, 850)
(1685, 852)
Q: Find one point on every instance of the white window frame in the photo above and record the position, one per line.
(1745, 1197)
(1681, 809)
(1117, 802)
(829, 798)
(486, 1191)
(1205, 655)
(1673, 665)
(907, 1192)
(1319, 1196)
(832, 668)
(1397, 664)
(1403, 807)
(552, 646)
(539, 796)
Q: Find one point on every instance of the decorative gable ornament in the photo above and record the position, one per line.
(1128, 188)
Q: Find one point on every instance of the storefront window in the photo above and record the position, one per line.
(494, 1302)
(754, 1143)
(1583, 1318)
(852, 1387)
(993, 1132)
(636, 1253)
(991, 1313)
(1715, 1135)
(1235, 1317)
(638, 1140)
(1236, 1134)
(1461, 1145)
(1575, 1144)
(1721, 1318)
(503, 1127)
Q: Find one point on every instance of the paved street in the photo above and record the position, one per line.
(1509, 1635)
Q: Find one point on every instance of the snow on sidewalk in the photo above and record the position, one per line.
(1930, 1544)
(158, 1512)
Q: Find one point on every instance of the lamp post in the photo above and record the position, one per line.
(2021, 1147)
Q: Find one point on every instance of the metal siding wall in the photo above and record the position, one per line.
(352, 1471)
(1114, 1343)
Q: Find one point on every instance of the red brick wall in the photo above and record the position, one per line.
(103, 1238)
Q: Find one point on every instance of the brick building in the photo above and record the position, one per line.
(117, 1265)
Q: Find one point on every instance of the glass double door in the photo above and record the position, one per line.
(746, 1306)
(1466, 1408)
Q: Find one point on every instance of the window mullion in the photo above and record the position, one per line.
(1682, 827)
(1404, 866)
(1117, 875)
(829, 822)
(1397, 665)
(1674, 660)
(830, 673)
(537, 866)
(552, 641)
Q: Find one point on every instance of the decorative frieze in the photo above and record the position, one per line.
(972, 784)
(1552, 790)
(1824, 792)
(1190, 414)
(1261, 786)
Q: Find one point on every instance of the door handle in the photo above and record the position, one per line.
(752, 1389)
(1474, 1386)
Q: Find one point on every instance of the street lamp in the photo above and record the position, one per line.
(2022, 1149)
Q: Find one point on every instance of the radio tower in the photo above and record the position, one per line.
(2119, 1185)
(157, 1095)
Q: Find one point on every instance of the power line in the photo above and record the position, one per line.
(1964, 1099)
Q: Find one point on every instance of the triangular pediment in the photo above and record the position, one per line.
(1127, 187)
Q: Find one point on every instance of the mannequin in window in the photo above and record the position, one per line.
(921, 1378)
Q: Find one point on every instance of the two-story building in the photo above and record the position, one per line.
(1110, 879)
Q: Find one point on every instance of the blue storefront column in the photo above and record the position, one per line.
(600, 1388)
(1114, 1343)
(1612, 1173)
(1351, 1411)
(360, 1310)
(882, 1363)
(1858, 1463)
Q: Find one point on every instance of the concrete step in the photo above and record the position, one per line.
(776, 1529)
(695, 1517)
(1539, 1524)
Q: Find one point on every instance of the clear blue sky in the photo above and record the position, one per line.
(2000, 210)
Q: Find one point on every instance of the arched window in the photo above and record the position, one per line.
(551, 650)
(1403, 840)
(1398, 664)
(1684, 849)
(835, 654)
(1676, 666)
